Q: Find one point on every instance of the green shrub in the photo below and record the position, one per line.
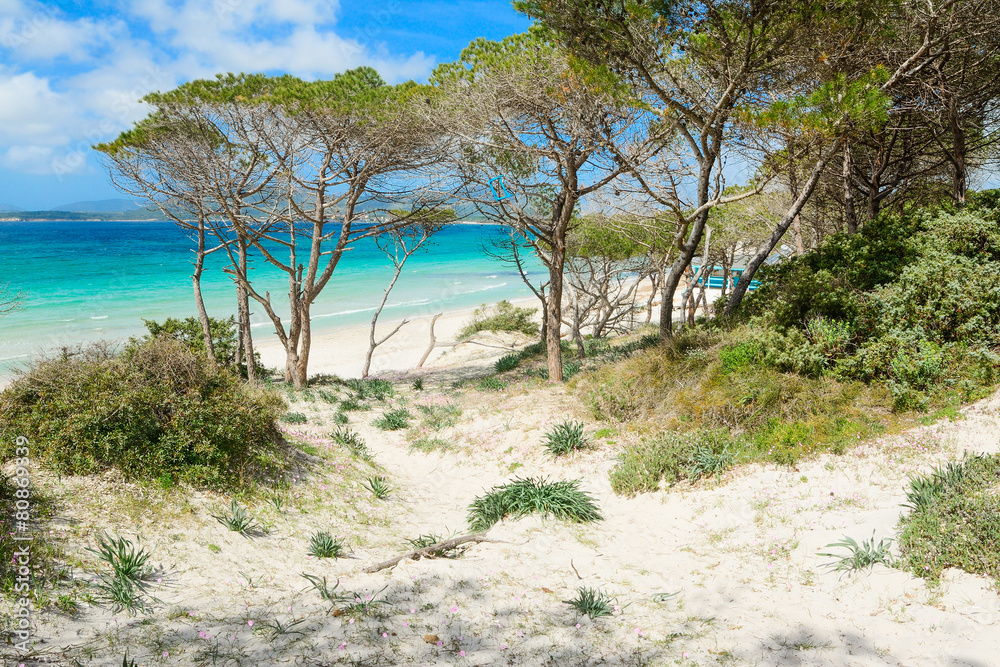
(393, 420)
(565, 437)
(508, 362)
(189, 331)
(737, 357)
(504, 316)
(954, 520)
(159, 407)
(670, 458)
(563, 500)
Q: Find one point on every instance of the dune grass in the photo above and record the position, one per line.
(563, 500)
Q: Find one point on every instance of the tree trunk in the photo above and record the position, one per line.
(765, 249)
(553, 314)
(850, 216)
(206, 328)
(959, 174)
(243, 304)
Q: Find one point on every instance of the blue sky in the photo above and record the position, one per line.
(71, 73)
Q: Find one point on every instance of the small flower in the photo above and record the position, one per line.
(166, 654)
(462, 653)
(454, 609)
(577, 625)
(250, 623)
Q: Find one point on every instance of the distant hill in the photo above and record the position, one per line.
(99, 206)
(6, 208)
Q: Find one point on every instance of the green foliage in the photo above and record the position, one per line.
(325, 545)
(237, 520)
(954, 520)
(157, 408)
(326, 593)
(438, 417)
(508, 362)
(418, 384)
(491, 383)
(120, 595)
(393, 420)
(859, 556)
(294, 418)
(735, 358)
(563, 500)
(504, 316)
(341, 418)
(127, 560)
(671, 457)
(429, 444)
(592, 602)
(345, 436)
(371, 389)
(379, 486)
(189, 331)
(565, 437)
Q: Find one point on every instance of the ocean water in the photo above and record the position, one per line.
(88, 281)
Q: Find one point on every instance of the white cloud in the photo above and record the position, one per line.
(50, 114)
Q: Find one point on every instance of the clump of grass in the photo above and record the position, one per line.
(565, 437)
(327, 593)
(491, 384)
(670, 458)
(237, 520)
(121, 595)
(508, 362)
(438, 417)
(294, 418)
(371, 388)
(325, 545)
(418, 384)
(563, 500)
(353, 403)
(592, 602)
(429, 444)
(859, 556)
(365, 603)
(327, 396)
(341, 418)
(379, 486)
(393, 420)
(925, 490)
(123, 588)
(354, 442)
(504, 316)
(127, 560)
(956, 524)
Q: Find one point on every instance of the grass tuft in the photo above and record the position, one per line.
(592, 602)
(565, 437)
(325, 545)
(508, 362)
(393, 420)
(491, 384)
(237, 520)
(859, 556)
(379, 486)
(563, 500)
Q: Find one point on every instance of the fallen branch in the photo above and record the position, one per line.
(433, 549)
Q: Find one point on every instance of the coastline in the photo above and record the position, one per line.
(341, 350)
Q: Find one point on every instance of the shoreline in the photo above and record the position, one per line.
(340, 350)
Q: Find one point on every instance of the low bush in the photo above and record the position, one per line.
(954, 520)
(504, 316)
(563, 500)
(157, 408)
(672, 457)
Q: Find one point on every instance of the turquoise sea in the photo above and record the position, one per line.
(87, 281)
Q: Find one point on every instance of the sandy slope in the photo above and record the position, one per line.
(719, 573)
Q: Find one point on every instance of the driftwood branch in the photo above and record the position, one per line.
(447, 545)
(430, 348)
